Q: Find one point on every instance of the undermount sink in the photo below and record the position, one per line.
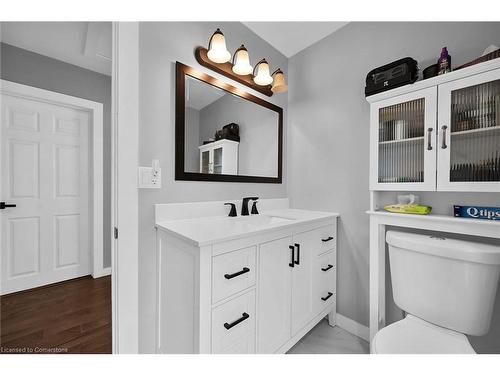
(261, 220)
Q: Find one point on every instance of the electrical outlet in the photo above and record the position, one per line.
(149, 178)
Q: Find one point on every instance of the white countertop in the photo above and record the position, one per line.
(209, 230)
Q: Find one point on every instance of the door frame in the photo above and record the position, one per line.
(95, 111)
(124, 191)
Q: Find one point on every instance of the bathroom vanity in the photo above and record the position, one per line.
(245, 284)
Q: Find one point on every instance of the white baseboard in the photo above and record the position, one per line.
(102, 272)
(353, 327)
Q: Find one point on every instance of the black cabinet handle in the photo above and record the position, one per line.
(244, 316)
(4, 205)
(328, 296)
(429, 139)
(230, 276)
(327, 239)
(291, 264)
(297, 245)
(327, 268)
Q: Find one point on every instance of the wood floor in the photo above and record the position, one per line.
(69, 317)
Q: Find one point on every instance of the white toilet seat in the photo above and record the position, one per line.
(416, 336)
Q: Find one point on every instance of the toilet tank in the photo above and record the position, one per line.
(447, 282)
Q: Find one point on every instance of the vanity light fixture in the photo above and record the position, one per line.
(262, 78)
(217, 50)
(241, 62)
(279, 83)
(238, 68)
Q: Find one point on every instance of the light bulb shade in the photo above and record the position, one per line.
(279, 83)
(241, 61)
(262, 78)
(217, 50)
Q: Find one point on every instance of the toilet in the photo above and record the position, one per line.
(447, 288)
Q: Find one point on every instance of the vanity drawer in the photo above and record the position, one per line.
(325, 280)
(233, 326)
(232, 272)
(326, 239)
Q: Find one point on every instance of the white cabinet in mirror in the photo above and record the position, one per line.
(246, 284)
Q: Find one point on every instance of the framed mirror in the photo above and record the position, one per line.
(223, 133)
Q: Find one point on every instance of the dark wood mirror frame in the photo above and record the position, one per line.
(181, 71)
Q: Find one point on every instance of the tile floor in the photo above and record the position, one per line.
(324, 339)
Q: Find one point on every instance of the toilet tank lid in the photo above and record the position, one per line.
(445, 247)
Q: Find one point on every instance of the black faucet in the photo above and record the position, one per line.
(232, 212)
(244, 205)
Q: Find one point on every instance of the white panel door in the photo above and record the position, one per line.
(45, 173)
(302, 279)
(273, 306)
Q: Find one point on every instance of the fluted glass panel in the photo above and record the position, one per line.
(401, 142)
(475, 133)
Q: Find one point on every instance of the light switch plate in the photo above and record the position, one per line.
(147, 179)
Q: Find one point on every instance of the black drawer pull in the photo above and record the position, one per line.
(327, 239)
(297, 245)
(230, 276)
(327, 268)
(244, 316)
(328, 296)
(291, 264)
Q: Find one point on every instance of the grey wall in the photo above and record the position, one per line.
(28, 68)
(328, 155)
(192, 140)
(161, 44)
(258, 148)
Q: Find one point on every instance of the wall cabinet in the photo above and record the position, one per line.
(219, 157)
(444, 136)
(258, 294)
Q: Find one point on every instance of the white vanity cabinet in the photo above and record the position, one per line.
(440, 134)
(257, 293)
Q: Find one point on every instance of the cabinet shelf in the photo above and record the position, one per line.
(475, 131)
(404, 140)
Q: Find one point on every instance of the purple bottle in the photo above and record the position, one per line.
(444, 62)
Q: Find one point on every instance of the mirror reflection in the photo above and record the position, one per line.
(227, 134)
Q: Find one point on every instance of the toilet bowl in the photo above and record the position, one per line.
(446, 286)
(413, 335)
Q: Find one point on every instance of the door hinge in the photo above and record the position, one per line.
(116, 233)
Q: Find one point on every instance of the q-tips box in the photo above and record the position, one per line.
(476, 212)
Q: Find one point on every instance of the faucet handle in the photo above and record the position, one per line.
(254, 208)
(232, 212)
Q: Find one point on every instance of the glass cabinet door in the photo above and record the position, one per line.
(469, 134)
(218, 161)
(205, 162)
(405, 135)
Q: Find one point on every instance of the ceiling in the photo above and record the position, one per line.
(292, 37)
(85, 44)
(200, 94)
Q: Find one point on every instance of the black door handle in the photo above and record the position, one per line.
(297, 245)
(327, 239)
(230, 276)
(291, 264)
(244, 316)
(328, 296)
(327, 268)
(3, 205)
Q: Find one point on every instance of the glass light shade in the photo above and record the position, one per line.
(242, 62)
(262, 78)
(279, 83)
(217, 50)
